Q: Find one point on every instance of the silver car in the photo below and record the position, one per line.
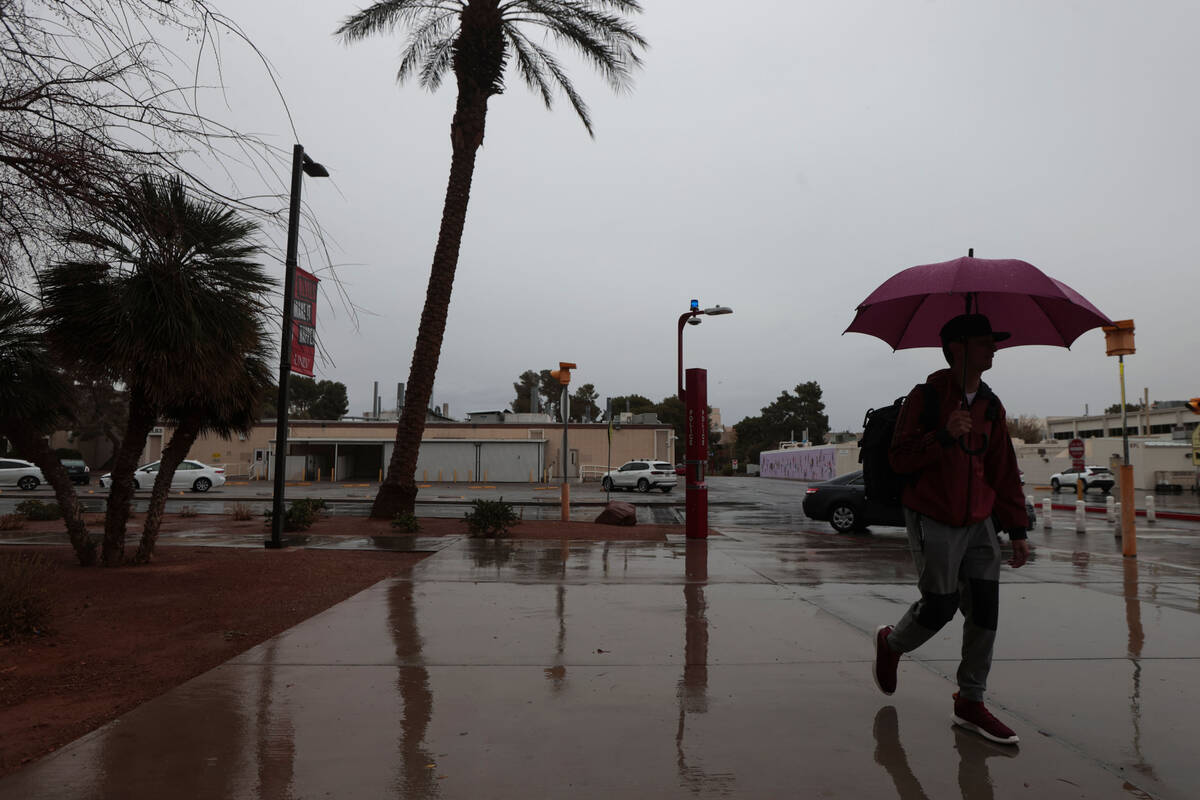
(642, 474)
(15, 472)
(188, 475)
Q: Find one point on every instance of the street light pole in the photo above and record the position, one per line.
(695, 401)
(301, 165)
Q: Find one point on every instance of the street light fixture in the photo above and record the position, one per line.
(695, 400)
(301, 164)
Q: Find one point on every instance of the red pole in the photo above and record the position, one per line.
(696, 501)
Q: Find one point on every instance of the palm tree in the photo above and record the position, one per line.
(34, 400)
(226, 406)
(163, 296)
(477, 40)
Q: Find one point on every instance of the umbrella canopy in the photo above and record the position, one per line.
(909, 308)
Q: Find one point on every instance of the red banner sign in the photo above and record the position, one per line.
(304, 322)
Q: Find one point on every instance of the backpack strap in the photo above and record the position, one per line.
(931, 413)
(993, 403)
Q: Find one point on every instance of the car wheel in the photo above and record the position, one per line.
(28, 483)
(1085, 487)
(606, 484)
(667, 489)
(843, 518)
(201, 485)
(1055, 485)
(643, 485)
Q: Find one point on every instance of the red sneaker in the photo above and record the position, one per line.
(974, 716)
(886, 660)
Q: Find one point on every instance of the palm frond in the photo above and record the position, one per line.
(431, 35)
(548, 64)
(388, 15)
(597, 30)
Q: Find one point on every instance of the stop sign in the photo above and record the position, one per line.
(1075, 448)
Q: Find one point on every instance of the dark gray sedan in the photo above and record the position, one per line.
(843, 503)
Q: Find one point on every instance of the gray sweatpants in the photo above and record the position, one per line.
(958, 568)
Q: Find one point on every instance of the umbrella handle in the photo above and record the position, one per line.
(962, 442)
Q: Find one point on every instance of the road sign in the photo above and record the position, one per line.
(1075, 448)
(735, 460)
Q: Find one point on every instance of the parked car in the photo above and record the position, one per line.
(77, 471)
(643, 475)
(842, 502)
(22, 474)
(1093, 478)
(188, 475)
(681, 469)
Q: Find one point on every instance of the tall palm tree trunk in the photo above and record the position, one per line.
(38, 451)
(120, 496)
(172, 456)
(398, 492)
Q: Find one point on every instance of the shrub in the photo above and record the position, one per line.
(24, 604)
(406, 522)
(300, 515)
(491, 517)
(12, 522)
(241, 512)
(38, 511)
(188, 511)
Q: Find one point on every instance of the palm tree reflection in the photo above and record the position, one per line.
(412, 678)
(276, 740)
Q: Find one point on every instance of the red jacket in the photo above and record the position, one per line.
(952, 486)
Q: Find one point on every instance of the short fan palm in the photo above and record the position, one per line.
(165, 296)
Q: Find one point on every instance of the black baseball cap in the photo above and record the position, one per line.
(964, 326)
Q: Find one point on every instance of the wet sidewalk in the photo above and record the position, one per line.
(740, 668)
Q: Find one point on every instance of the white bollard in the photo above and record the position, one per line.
(1080, 517)
(1047, 508)
(1110, 508)
(1151, 512)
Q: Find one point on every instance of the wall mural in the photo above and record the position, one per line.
(809, 464)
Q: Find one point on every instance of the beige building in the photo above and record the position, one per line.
(523, 450)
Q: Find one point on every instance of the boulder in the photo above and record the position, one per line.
(618, 513)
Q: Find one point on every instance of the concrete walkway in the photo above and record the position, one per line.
(736, 668)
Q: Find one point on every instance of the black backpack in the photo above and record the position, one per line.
(881, 483)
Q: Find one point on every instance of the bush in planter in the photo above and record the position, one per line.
(37, 511)
(406, 523)
(491, 517)
(300, 515)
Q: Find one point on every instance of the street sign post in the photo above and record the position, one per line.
(1076, 450)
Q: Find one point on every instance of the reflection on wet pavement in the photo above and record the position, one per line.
(733, 667)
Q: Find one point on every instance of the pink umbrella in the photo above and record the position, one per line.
(909, 308)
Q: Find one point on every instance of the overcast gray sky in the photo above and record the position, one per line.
(779, 157)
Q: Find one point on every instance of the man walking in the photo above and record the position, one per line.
(965, 484)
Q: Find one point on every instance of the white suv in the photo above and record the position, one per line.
(1093, 478)
(644, 474)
